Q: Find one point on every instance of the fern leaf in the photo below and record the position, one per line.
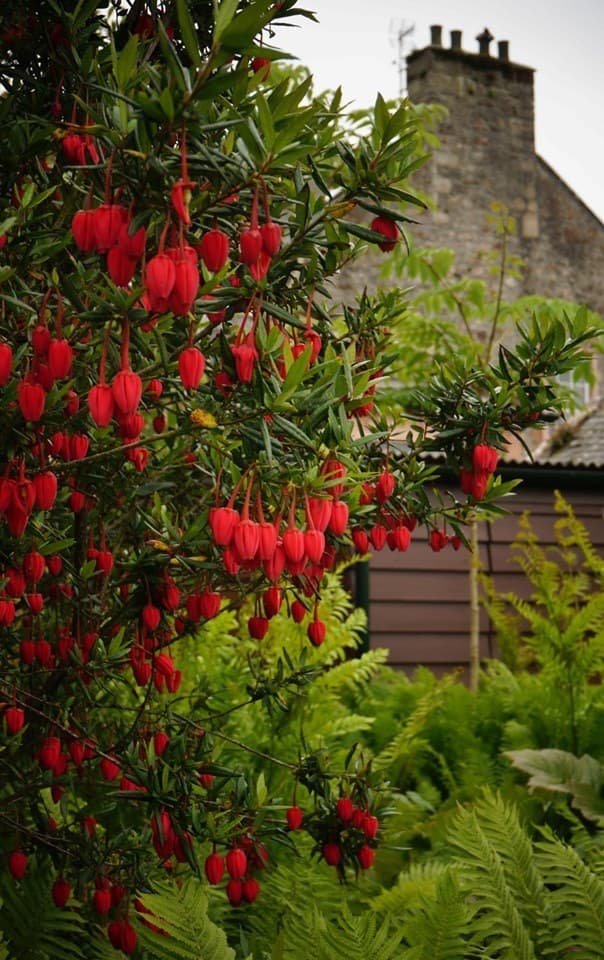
(438, 928)
(498, 921)
(576, 925)
(56, 933)
(183, 915)
(400, 745)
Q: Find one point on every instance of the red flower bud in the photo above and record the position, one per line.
(120, 267)
(101, 404)
(271, 237)
(127, 390)
(151, 617)
(6, 362)
(332, 470)
(223, 521)
(234, 891)
(339, 517)
(60, 357)
(345, 809)
(377, 535)
(360, 540)
(159, 279)
(33, 566)
(314, 545)
(214, 868)
(246, 539)
(83, 229)
(365, 855)
(294, 817)
(31, 398)
(14, 718)
(293, 544)
(484, 458)
(186, 285)
(401, 537)
(209, 604)
(389, 231)
(50, 749)
(191, 364)
(132, 245)
(17, 864)
(250, 245)
(110, 770)
(214, 249)
(370, 826)
(245, 357)
(236, 863)
(332, 854)
(298, 611)
(271, 601)
(259, 269)
(319, 512)
(108, 221)
(101, 902)
(316, 632)
(250, 888)
(257, 627)
(384, 487)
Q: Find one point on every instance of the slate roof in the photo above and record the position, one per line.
(578, 442)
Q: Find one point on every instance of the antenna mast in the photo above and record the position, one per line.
(398, 35)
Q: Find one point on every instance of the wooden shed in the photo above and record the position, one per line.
(418, 601)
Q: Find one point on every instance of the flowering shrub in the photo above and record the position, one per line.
(185, 427)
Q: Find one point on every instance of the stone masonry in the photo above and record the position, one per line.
(488, 155)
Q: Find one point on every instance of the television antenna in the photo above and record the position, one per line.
(400, 30)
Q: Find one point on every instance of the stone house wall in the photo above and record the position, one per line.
(488, 155)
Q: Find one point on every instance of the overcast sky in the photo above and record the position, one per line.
(354, 45)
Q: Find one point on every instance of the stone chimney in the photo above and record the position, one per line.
(436, 36)
(487, 137)
(484, 41)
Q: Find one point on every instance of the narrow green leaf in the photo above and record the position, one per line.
(223, 17)
(188, 32)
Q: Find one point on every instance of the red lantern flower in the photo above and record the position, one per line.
(271, 237)
(83, 229)
(159, 280)
(214, 868)
(127, 389)
(6, 362)
(236, 863)
(214, 249)
(45, 487)
(191, 364)
(245, 357)
(31, 398)
(389, 231)
(250, 245)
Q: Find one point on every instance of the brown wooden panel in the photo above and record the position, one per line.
(414, 585)
(428, 649)
(417, 618)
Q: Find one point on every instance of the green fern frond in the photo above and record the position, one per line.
(360, 938)
(408, 738)
(354, 673)
(183, 914)
(438, 928)
(56, 933)
(498, 920)
(571, 532)
(419, 881)
(575, 925)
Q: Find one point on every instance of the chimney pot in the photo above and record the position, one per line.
(503, 47)
(484, 41)
(455, 39)
(436, 35)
